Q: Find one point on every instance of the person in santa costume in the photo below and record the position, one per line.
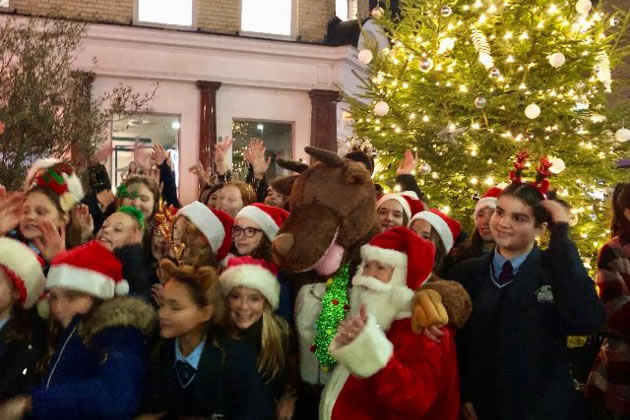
(98, 366)
(22, 333)
(384, 370)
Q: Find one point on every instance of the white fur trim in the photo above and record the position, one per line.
(485, 202)
(81, 280)
(74, 186)
(410, 194)
(439, 225)
(21, 260)
(399, 199)
(262, 219)
(122, 288)
(331, 392)
(368, 353)
(385, 256)
(42, 163)
(205, 220)
(252, 277)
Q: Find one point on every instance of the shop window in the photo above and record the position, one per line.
(273, 17)
(165, 12)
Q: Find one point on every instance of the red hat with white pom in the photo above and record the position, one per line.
(254, 274)
(447, 228)
(23, 269)
(489, 200)
(90, 268)
(408, 200)
(270, 219)
(215, 225)
(410, 255)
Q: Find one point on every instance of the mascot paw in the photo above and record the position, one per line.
(453, 297)
(428, 310)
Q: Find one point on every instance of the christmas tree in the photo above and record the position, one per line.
(468, 84)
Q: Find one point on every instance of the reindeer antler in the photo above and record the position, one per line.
(292, 165)
(325, 156)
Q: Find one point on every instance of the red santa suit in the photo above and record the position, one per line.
(395, 374)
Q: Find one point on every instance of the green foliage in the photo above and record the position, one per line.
(470, 148)
(45, 104)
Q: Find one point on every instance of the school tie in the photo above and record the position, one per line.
(507, 274)
(185, 372)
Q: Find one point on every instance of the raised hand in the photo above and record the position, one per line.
(351, 327)
(82, 219)
(11, 209)
(255, 155)
(204, 176)
(407, 165)
(220, 151)
(159, 154)
(52, 241)
(558, 212)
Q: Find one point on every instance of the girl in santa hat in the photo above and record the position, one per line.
(396, 209)
(22, 333)
(252, 293)
(197, 370)
(97, 364)
(441, 230)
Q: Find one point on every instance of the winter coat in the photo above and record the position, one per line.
(133, 267)
(19, 356)
(609, 378)
(397, 375)
(513, 351)
(99, 367)
(226, 383)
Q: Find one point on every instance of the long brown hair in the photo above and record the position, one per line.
(620, 203)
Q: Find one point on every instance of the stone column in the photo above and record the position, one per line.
(208, 120)
(324, 118)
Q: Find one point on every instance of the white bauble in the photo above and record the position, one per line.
(557, 60)
(381, 108)
(622, 135)
(557, 165)
(532, 111)
(378, 12)
(583, 6)
(446, 44)
(365, 56)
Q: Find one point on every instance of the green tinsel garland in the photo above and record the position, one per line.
(334, 308)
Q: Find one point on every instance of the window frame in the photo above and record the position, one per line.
(8, 8)
(137, 22)
(267, 35)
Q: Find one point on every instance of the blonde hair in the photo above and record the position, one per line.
(248, 195)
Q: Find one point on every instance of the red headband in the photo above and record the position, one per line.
(542, 172)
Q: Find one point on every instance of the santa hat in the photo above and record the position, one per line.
(408, 200)
(488, 200)
(409, 254)
(254, 274)
(446, 227)
(215, 225)
(58, 176)
(24, 269)
(270, 219)
(90, 268)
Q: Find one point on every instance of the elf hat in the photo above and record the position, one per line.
(215, 225)
(489, 200)
(270, 219)
(90, 268)
(254, 274)
(24, 269)
(447, 228)
(410, 255)
(408, 200)
(58, 176)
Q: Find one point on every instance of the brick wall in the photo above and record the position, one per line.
(223, 16)
(363, 8)
(114, 11)
(313, 17)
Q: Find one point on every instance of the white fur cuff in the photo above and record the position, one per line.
(368, 353)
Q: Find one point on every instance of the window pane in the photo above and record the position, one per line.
(276, 136)
(169, 12)
(4, 3)
(342, 9)
(268, 16)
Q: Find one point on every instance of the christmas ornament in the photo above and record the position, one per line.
(446, 11)
(377, 12)
(557, 165)
(602, 69)
(480, 102)
(426, 64)
(446, 44)
(614, 21)
(424, 169)
(381, 108)
(532, 111)
(495, 73)
(583, 6)
(622, 135)
(334, 308)
(450, 132)
(557, 60)
(480, 42)
(365, 56)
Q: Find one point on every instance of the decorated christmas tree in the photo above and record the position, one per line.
(468, 84)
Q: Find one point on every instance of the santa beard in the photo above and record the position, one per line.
(384, 301)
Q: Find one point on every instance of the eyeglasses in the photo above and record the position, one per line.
(249, 232)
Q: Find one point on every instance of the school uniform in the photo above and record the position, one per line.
(513, 352)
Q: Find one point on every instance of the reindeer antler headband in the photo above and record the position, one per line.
(541, 182)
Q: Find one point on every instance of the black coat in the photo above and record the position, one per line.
(226, 383)
(18, 357)
(513, 351)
